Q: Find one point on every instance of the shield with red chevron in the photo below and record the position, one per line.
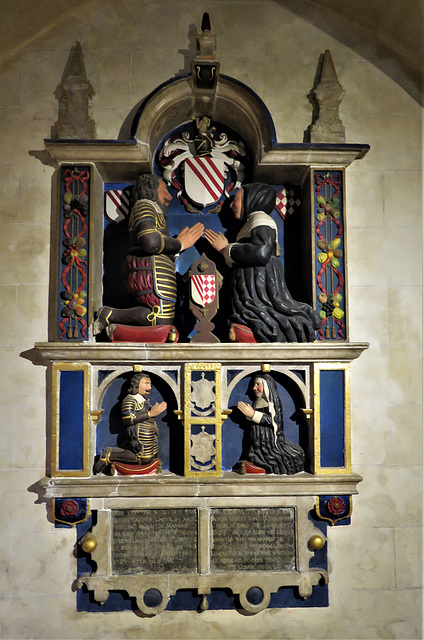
(204, 179)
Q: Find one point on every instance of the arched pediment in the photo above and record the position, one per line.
(234, 105)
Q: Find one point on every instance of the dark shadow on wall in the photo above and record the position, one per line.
(387, 33)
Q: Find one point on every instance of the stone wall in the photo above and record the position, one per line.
(130, 48)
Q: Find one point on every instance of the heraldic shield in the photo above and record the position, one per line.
(202, 163)
(202, 451)
(204, 179)
(203, 288)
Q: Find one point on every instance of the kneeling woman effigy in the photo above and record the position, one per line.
(268, 448)
(260, 298)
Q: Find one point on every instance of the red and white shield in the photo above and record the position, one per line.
(117, 205)
(281, 202)
(204, 179)
(203, 289)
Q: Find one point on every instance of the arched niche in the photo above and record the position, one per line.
(293, 395)
(124, 372)
(234, 105)
(110, 429)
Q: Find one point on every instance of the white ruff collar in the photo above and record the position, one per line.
(156, 205)
(256, 219)
(139, 397)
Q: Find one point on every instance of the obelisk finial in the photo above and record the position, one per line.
(75, 93)
(328, 94)
(206, 23)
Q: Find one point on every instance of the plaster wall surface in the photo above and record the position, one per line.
(130, 48)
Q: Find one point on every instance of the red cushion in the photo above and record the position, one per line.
(127, 333)
(137, 469)
(241, 333)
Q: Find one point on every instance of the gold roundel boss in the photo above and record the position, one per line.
(316, 542)
(89, 543)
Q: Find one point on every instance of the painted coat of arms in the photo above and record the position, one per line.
(203, 289)
(203, 166)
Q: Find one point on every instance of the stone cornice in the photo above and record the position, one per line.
(124, 160)
(231, 484)
(226, 353)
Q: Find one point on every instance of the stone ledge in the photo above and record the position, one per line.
(230, 485)
(124, 160)
(225, 353)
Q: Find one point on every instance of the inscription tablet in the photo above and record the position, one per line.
(154, 541)
(253, 539)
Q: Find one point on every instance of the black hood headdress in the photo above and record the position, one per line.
(258, 197)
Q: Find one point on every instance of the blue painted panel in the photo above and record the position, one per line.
(71, 420)
(116, 185)
(332, 418)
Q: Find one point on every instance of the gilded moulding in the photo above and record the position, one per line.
(347, 468)
(57, 369)
(190, 420)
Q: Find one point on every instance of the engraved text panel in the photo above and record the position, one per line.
(154, 541)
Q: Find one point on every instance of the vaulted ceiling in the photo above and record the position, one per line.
(388, 33)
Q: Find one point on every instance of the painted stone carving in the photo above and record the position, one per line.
(74, 233)
(334, 509)
(261, 301)
(149, 265)
(268, 451)
(202, 396)
(138, 453)
(205, 282)
(202, 450)
(206, 158)
(329, 238)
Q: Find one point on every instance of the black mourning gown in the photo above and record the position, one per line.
(281, 456)
(260, 298)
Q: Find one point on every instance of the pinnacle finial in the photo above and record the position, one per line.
(75, 93)
(206, 42)
(327, 96)
(328, 71)
(206, 23)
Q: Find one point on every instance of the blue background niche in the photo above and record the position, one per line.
(110, 428)
(116, 246)
(235, 428)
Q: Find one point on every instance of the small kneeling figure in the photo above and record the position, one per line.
(268, 448)
(140, 446)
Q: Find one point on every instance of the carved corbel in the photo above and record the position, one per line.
(205, 71)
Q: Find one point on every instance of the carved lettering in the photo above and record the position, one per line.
(253, 539)
(154, 541)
